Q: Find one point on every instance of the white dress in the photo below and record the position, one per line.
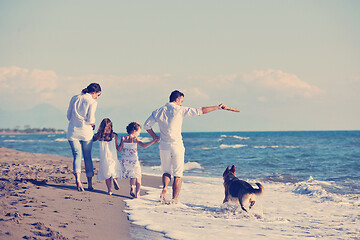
(109, 165)
(130, 161)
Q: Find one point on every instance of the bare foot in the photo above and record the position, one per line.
(163, 195)
(79, 187)
(116, 185)
(174, 201)
(132, 193)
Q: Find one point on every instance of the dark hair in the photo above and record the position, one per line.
(105, 131)
(93, 87)
(175, 94)
(133, 126)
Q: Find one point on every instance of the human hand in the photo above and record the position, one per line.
(223, 106)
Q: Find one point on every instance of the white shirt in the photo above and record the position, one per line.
(81, 113)
(170, 118)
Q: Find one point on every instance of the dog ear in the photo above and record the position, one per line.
(226, 171)
(233, 169)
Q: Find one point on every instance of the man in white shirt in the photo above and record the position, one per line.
(172, 151)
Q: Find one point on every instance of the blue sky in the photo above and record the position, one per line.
(288, 65)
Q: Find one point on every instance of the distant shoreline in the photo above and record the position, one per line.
(31, 133)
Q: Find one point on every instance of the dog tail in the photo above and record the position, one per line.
(260, 190)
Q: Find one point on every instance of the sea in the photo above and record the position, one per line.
(311, 183)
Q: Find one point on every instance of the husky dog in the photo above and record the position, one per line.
(239, 190)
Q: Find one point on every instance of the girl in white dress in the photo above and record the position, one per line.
(129, 156)
(109, 165)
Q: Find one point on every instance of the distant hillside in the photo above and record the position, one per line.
(31, 131)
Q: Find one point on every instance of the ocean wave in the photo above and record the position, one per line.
(280, 178)
(145, 139)
(192, 165)
(324, 191)
(200, 209)
(235, 136)
(24, 141)
(275, 146)
(265, 146)
(61, 140)
(224, 146)
(209, 148)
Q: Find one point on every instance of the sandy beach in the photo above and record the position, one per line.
(39, 200)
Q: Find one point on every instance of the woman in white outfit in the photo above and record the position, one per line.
(81, 116)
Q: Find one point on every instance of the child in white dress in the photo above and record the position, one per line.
(109, 165)
(129, 156)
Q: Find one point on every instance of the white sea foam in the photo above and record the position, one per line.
(322, 190)
(145, 139)
(23, 141)
(192, 165)
(234, 136)
(61, 140)
(223, 146)
(208, 148)
(265, 146)
(201, 214)
(241, 138)
(187, 167)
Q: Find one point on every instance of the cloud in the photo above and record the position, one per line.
(23, 87)
(220, 80)
(286, 84)
(29, 87)
(195, 93)
(19, 80)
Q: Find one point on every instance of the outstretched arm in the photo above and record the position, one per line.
(146, 145)
(213, 108)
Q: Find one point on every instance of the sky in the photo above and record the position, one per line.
(287, 65)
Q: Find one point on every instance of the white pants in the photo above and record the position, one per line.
(172, 161)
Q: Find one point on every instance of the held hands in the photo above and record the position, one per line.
(156, 139)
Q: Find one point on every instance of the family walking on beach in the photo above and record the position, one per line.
(80, 134)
